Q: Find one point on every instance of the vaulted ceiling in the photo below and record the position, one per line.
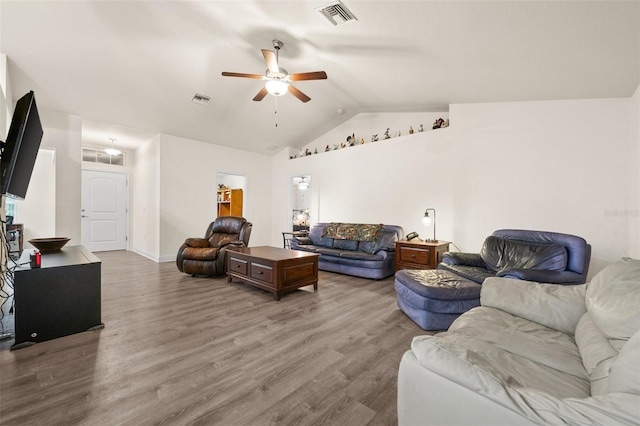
(124, 65)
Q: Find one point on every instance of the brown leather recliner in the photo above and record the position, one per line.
(207, 256)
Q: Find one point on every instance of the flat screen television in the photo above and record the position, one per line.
(21, 147)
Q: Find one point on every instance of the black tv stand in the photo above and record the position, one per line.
(62, 297)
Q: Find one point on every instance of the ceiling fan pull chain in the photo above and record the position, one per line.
(275, 110)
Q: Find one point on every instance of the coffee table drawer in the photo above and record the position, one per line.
(261, 272)
(238, 265)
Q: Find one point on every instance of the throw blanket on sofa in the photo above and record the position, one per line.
(352, 231)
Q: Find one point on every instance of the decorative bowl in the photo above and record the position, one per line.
(48, 245)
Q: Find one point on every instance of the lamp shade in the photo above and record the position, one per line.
(429, 219)
(277, 87)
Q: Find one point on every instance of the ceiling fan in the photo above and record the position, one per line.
(278, 80)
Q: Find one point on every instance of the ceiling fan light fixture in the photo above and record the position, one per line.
(112, 151)
(277, 87)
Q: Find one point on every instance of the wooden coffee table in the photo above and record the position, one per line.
(273, 269)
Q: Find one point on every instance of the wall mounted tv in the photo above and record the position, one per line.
(21, 147)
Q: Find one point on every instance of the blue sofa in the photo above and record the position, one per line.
(368, 259)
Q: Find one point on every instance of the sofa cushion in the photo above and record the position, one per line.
(502, 253)
(613, 297)
(472, 273)
(345, 244)
(329, 251)
(507, 358)
(436, 284)
(359, 255)
(316, 235)
(524, 338)
(625, 371)
(409, 298)
(386, 240)
(594, 346)
(556, 306)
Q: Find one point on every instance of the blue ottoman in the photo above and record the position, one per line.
(433, 298)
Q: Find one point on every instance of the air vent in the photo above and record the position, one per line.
(337, 13)
(201, 99)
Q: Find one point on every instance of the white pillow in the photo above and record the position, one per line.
(613, 299)
(625, 371)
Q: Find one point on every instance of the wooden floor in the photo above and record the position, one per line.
(200, 351)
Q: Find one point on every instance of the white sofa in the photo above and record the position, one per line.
(532, 353)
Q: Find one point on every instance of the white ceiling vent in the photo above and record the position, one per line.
(337, 13)
(200, 99)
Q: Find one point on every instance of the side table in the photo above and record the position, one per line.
(417, 254)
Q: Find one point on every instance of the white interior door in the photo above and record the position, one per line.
(104, 210)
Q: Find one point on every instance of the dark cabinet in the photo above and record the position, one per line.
(62, 297)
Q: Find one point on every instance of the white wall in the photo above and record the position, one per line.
(365, 125)
(144, 188)
(6, 109)
(63, 134)
(556, 166)
(634, 179)
(185, 192)
(37, 211)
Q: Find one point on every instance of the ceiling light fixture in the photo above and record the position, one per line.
(277, 87)
(304, 184)
(112, 150)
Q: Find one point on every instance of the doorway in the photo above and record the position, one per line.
(300, 203)
(104, 210)
(231, 194)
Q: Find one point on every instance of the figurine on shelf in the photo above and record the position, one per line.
(315, 150)
(307, 152)
(446, 123)
(421, 129)
(438, 123)
(374, 138)
(361, 141)
(342, 145)
(351, 140)
(336, 146)
(398, 134)
(386, 134)
(326, 148)
(410, 130)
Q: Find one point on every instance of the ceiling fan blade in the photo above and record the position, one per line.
(270, 60)
(261, 94)
(298, 94)
(239, 74)
(315, 75)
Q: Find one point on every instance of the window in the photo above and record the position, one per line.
(93, 155)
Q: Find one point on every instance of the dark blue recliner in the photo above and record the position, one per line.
(434, 299)
(548, 257)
